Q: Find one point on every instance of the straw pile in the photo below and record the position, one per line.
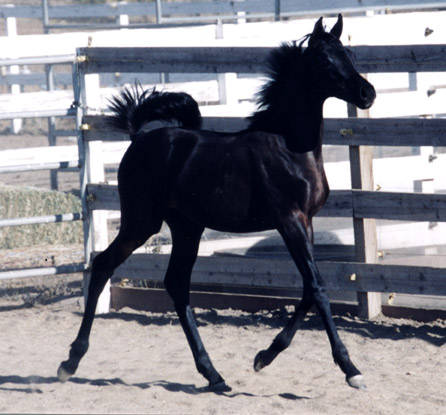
(18, 202)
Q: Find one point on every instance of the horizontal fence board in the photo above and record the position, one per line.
(173, 59)
(106, 197)
(399, 206)
(103, 197)
(337, 131)
(283, 274)
(385, 131)
(368, 59)
(359, 204)
(217, 7)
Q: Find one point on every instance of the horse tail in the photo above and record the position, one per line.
(134, 107)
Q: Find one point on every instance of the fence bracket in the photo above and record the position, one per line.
(81, 59)
(346, 131)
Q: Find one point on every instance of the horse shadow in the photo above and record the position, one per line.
(30, 385)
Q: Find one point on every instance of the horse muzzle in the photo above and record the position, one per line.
(367, 95)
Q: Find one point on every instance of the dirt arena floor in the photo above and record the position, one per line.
(139, 362)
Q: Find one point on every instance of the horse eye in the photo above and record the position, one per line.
(326, 61)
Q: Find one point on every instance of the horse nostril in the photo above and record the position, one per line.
(363, 93)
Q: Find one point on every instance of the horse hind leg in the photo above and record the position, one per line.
(102, 269)
(185, 242)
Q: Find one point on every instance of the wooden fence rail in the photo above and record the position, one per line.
(368, 59)
(360, 203)
(162, 12)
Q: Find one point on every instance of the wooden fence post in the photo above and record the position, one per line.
(11, 31)
(227, 88)
(92, 170)
(361, 170)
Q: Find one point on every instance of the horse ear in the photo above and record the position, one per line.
(337, 28)
(318, 28)
(318, 31)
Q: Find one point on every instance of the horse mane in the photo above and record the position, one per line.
(284, 66)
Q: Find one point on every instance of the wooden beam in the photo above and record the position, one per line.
(341, 203)
(252, 272)
(385, 131)
(337, 131)
(368, 59)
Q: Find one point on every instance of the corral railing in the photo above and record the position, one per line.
(194, 12)
(363, 203)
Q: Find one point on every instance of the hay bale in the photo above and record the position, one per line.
(18, 202)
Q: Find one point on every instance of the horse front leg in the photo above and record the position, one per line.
(294, 230)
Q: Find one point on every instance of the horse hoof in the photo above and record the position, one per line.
(356, 382)
(63, 374)
(259, 362)
(220, 387)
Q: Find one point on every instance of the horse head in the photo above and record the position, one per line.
(330, 65)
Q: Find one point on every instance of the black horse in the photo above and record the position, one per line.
(269, 176)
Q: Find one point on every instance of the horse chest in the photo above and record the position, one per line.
(310, 190)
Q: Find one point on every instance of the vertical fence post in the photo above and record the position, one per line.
(95, 168)
(86, 95)
(11, 31)
(45, 16)
(361, 169)
(227, 89)
(159, 12)
(122, 19)
(277, 10)
(83, 172)
(49, 73)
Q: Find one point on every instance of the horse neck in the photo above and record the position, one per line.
(295, 112)
(299, 122)
(305, 129)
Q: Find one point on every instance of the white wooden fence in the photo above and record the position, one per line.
(362, 202)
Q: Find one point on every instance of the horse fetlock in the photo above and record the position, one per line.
(220, 386)
(342, 359)
(78, 349)
(206, 368)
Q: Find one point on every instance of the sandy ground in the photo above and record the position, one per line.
(139, 362)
